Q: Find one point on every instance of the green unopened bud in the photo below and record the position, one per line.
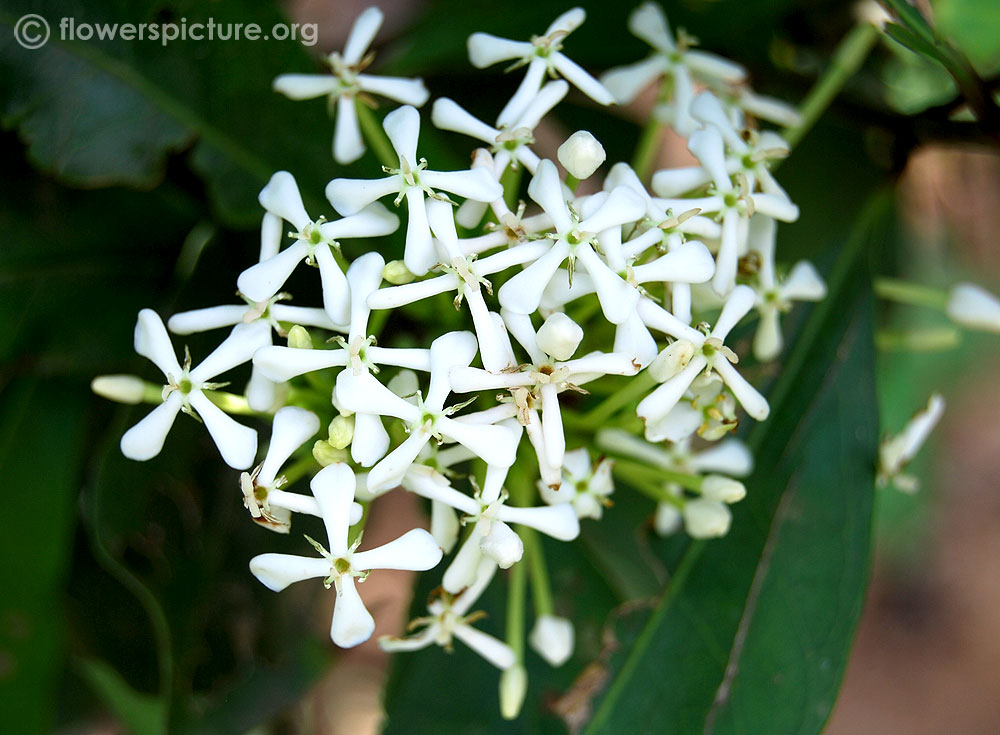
(326, 454)
(396, 273)
(298, 337)
(341, 431)
(513, 687)
(120, 388)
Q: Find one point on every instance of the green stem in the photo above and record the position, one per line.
(904, 292)
(657, 474)
(607, 408)
(541, 589)
(938, 339)
(231, 403)
(511, 182)
(373, 133)
(847, 59)
(572, 182)
(515, 608)
(302, 466)
(648, 147)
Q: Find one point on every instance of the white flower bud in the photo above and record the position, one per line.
(704, 518)
(671, 360)
(513, 687)
(581, 154)
(502, 545)
(396, 273)
(722, 489)
(974, 307)
(667, 520)
(559, 336)
(341, 431)
(120, 388)
(298, 337)
(324, 453)
(552, 639)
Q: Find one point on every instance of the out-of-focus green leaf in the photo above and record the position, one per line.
(972, 25)
(42, 431)
(142, 714)
(753, 633)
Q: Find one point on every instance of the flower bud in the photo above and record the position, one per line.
(396, 273)
(667, 520)
(502, 545)
(722, 489)
(120, 388)
(552, 639)
(671, 360)
(298, 337)
(581, 154)
(326, 454)
(559, 336)
(513, 687)
(341, 431)
(704, 518)
(974, 307)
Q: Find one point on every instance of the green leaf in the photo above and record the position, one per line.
(972, 25)
(753, 633)
(142, 714)
(42, 430)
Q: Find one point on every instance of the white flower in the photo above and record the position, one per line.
(333, 488)
(413, 182)
(584, 485)
(710, 353)
(552, 638)
(974, 307)
(185, 391)
(313, 242)
(509, 142)
(581, 154)
(449, 618)
(348, 83)
(574, 238)
(543, 54)
(895, 452)
(802, 283)
(496, 445)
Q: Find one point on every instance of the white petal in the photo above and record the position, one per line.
(547, 98)
(294, 502)
(371, 441)
(708, 147)
(494, 444)
(461, 573)
(767, 342)
(236, 349)
(658, 403)
(364, 276)
(415, 550)
(492, 649)
(145, 440)
(277, 571)
(552, 426)
(650, 24)
(567, 22)
(305, 86)
(494, 344)
(803, 283)
(447, 351)
(526, 91)
(350, 196)
(974, 307)
(291, 428)
(470, 213)
(552, 638)
(602, 363)
(402, 125)
(281, 197)
(618, 299)
(352, 623)
(201, 320)
(667, 520)
(281, 364)
(444, 525)
(707, 109)
(547, 191)
(260, 282)
(428, 483)
(656, 317)
(270, 236)
(622, 205)
(626, 82)
(632, 338)
(336, 292)
(519, 324)
(419, 254)
(333, 487)
(448, 115)
(680, 423)
(690, 263)
(479, 183)
(364, 394)
(407, 91)
(776, 206)
(237, 444)
(522, 293)
(388, 473)
(730, 456)
(486, 49)
(739, 303)
(423, 639)
(752, 401)
(580, 79)
(395, 296)
(348, 145)
(152, 342)
(558, 521)
(441, 219)
(714, 67)
(362, 34)
(413, 358)
(675, 182)
(373, 220)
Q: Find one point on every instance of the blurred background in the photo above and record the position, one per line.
(130, 179)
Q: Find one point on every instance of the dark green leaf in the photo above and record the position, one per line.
(141, 713)
(736, 645)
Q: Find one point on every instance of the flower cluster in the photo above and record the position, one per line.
(497, 424)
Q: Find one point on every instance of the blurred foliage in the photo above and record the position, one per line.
(131, 175)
